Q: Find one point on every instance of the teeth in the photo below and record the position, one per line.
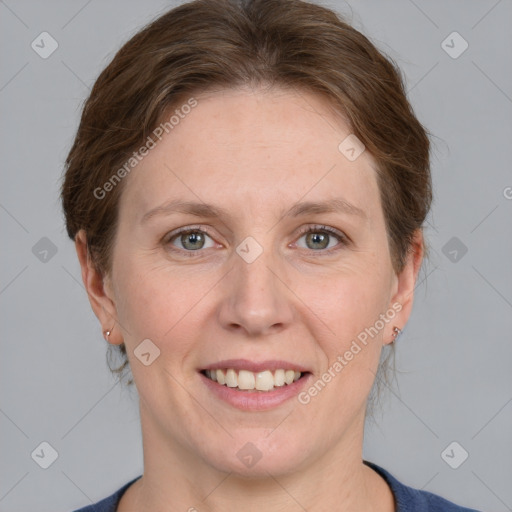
(246, 381)
(279, 378)
(231, 378)
(264, 381)
(289, 375)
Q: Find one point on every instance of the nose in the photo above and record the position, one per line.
(257, 299)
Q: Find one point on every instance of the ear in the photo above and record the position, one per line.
(405, 283)
(98, 290)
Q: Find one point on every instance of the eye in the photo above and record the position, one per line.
(190, 238)
(318, 238)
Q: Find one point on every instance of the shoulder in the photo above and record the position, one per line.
(110, 503)
(409, 499)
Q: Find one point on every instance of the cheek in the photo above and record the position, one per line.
(345, 304)
(160, 304)
(345, 312)
(349, 308)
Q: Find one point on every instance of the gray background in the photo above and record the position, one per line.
(454, 355)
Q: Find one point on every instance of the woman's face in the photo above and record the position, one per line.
(249, 284)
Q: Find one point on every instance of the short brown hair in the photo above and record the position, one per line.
(232, 43)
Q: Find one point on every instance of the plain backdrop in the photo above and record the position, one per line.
(454, 356)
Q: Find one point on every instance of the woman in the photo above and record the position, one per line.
(246, 193)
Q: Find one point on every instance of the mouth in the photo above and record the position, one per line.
(253, 386)
(252, 382)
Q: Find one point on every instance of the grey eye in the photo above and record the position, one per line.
(319, 240)
(192, 240)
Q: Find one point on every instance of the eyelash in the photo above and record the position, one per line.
(343, 239)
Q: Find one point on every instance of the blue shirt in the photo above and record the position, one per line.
(407, 499)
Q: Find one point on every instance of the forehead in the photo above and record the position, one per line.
(252, 149)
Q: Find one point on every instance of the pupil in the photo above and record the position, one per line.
(192, 238)
(318, 238)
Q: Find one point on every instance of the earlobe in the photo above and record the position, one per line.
(95, 284)
(106, 335)
(406, 282)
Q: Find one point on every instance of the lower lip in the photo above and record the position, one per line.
(256, 400)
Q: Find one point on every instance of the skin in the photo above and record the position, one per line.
(255, 153)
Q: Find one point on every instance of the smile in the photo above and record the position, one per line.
(245, 380)
(251, 385)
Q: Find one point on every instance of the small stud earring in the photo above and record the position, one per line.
(396, 332)
(106, 334)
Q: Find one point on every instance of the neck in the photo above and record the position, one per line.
(175, 479)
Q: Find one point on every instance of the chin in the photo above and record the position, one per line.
(258, 454)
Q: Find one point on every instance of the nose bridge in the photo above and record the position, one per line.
(257, 299)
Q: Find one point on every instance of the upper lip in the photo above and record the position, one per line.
(256, 366)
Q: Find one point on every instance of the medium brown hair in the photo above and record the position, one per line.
(227, 44)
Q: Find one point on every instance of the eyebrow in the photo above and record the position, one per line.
(205, 210)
